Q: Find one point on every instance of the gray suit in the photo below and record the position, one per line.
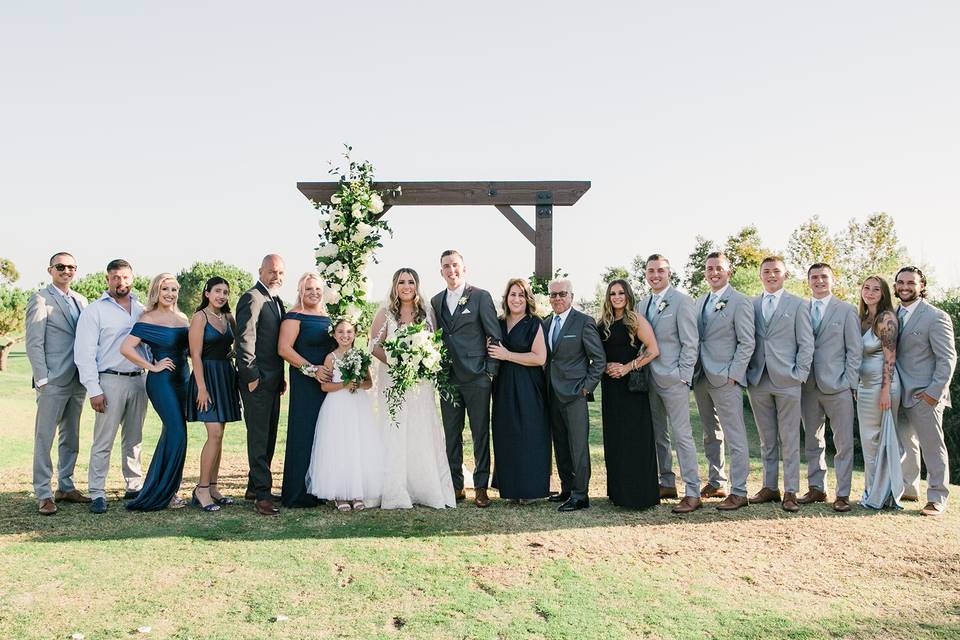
(574, 366)
(465, 334)
(675, 326)
(926, 359)
(780, 364)
(51, 324)
(726, 344)
(828, 394)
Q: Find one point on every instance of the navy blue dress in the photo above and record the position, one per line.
(167, 391)
(313, 342)
(220, 378)
(521, 428)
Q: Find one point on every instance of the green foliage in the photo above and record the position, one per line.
(868, 248)
(8, 272)
(13, 310)
(951, 417)
(694, 280)
(92, 286)
(193, 280)
(810, 243)
(540, 286)
(746, 252)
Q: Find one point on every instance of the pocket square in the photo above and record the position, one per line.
(570, 335)
(666, 315)
(465, 312)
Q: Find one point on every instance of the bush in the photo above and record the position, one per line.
(192, 281)
(13, 310)
(92, 286)
(951, 417)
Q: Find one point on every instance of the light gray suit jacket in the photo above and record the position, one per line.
(577, 360)
(926, 354)
(837, 348)
(784, 347)
(51, 331)
(675, 326)
(726, 338)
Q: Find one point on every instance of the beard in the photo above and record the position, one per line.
(909, 296)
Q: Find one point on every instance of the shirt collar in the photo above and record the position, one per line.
(563, 316)
(718, 295)
(776, 295)
(662, 294)
(823, 301)
(458, 292)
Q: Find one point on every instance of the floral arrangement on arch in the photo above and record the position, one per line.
(351, 229)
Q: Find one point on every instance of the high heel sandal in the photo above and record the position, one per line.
(222, 500)
(213, 506)
(343, 506)
(358, 505)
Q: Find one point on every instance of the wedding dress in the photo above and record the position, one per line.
(416, 470)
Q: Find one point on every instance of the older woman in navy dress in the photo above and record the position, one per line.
(304, 342)
(213, 396)
(521, 429)
(163, 328)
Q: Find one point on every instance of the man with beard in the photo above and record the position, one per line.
(116, 386)
(926, 359)
(259, 312)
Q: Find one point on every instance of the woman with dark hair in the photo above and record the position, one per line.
(628, 443)
(213, 394)
(521, 429)
(878, 396)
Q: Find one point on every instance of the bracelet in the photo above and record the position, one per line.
(307, 369)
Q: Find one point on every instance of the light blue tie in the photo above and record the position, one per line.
(652, 307)
(555, 334)
(901, 314)
(708, 308)
(817, 315)
(768, 301)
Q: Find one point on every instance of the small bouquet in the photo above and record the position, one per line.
(415, 353)
(353, 368)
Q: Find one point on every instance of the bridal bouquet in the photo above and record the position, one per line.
(354, 367)
(415, 353)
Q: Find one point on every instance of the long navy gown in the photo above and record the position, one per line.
(521, 429)
(220, 378)
(313, 342)
(167, 391)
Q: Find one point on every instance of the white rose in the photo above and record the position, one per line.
(347, 289)
(330, 295)
(337, 225)
(356, 205)
(376, 203)
(358, 213)
(335, 199)
(333, 267)
(328, 251)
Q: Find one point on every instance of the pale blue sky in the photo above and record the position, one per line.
(176, 132)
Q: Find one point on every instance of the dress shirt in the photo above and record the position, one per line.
(563, 320)
(453, 297)
(716, 296)
(655, 299)
(776, 298)
(101, 330)
(907, 311)
(823, 302)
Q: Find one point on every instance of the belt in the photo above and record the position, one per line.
(129, 374)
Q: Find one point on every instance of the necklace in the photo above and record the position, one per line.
(218, 316)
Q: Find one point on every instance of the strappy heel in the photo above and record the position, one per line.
(222, 500)
(213, 506)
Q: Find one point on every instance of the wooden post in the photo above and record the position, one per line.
(543, 242)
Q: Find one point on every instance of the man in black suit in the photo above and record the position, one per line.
(259, 312)
(575, 362)
(468, 319)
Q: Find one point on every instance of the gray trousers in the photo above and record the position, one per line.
(815, 408)
(920, 429)
(570, 428)
(474, 403)
(58, 409)
(777, 412)
(126, 407)
(671, 406)
(721, 414)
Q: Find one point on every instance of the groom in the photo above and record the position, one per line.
(468, 319)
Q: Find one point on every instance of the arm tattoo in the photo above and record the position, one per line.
(888, 338)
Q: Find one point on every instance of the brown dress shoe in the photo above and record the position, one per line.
(906, 498)
(266, 508)
(841, 504)
(460, 495)
(47, 507)
(710, 491)
(71, 496)
(687, 505)
(765, 495)
(668, 493)
(732, 503)
(252, 495)
(932, 509)
(480, 498)
(790, 502)
(812, 495)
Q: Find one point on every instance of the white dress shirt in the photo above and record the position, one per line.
(101, 330)
(563, 320)
(453, 297)
(907, 311)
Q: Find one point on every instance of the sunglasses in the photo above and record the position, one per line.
(558, 294)
(65, 267)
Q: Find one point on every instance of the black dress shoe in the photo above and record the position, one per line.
(99, 505)
(131, 494)
(559, 497)
(574, 505)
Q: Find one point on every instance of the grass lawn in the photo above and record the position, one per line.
(502, 572)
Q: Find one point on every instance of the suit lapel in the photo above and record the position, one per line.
(64, 305)
(665, 300)
(458, 310)
(704, 317)
(758, 313)
(913, 319)
(270, 301)
(831, 309)
(780, 311)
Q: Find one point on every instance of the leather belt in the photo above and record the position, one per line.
(129, 374)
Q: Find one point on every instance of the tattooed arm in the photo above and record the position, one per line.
(887, 331)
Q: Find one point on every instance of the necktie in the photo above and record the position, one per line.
(708, 307)
(555, 334)
(817, 314)
(74, 308)
(768, 301)
(901, 314)
(276, 299)
(652, 307)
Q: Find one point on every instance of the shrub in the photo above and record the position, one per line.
(192, 281)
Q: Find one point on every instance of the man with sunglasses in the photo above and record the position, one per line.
(51, 324)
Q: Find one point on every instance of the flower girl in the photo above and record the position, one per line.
(347, 460)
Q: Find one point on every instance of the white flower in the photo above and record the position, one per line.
(347, 289)
(720, 305)
(328, 251)
(358, 213)
(362, 231)
(376, 203)
(337, 225)
(334, 285)
(330, 296)
(335, 199)
(343, 274)
(663, 305)
(462, 301)
(334, 266)
(356, 205)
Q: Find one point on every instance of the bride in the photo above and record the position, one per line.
(416, 470)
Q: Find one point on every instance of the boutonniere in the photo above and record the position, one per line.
(663, 305)
(721, 304)
(462, 301)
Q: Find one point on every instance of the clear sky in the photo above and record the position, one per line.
(172, 132)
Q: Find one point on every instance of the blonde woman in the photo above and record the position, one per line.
(305, 341)
(163, 327)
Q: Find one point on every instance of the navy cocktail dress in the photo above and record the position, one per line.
(313, 342)
(521, 427)
(167, 391)
(220, 378)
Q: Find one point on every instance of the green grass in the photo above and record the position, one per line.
(503, 572)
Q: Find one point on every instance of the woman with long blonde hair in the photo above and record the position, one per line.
(163, 327)
(304, 342)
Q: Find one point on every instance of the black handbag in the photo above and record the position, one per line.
(638, 381)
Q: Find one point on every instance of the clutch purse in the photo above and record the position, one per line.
(638, 381)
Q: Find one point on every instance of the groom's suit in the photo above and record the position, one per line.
(465, 333)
